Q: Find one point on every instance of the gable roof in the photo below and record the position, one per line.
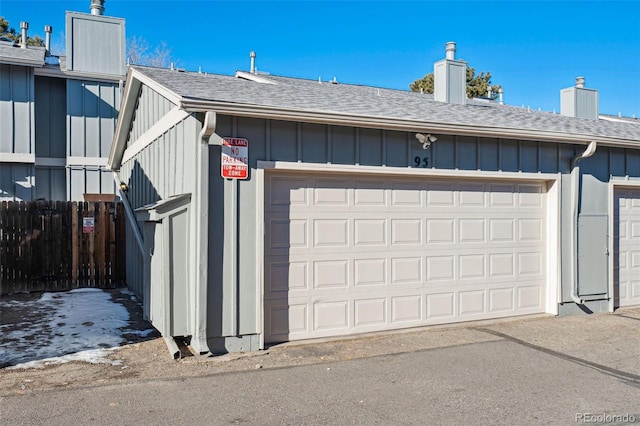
(287, 98)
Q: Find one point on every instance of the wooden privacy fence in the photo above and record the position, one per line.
(60, 245)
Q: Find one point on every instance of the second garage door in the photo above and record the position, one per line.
(348, 254)
(627, 248)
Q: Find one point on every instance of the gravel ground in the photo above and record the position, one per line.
(604, 339)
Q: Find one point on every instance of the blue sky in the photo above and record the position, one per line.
(532, 48)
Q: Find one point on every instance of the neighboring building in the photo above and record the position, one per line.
(58, 114)
(368, 209)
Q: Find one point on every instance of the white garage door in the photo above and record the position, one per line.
(351, 254)
(627, 248)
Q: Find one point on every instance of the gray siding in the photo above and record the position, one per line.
(16, 182)
(89, 180)
(155, 106)
(232, 302)
(16, 109)
(92, 109)
(50, 117)
(164, 168)
(95, 44)
(51, 183)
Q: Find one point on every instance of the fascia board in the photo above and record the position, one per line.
(258, 111)
(22, 62)
(135, 80)
(127, 106)
(58, 73)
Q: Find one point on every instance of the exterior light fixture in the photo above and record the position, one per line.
(425, 140)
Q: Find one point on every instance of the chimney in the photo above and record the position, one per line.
(579, 102)
(24, 26)
(450, 78)
(97, 7)
(48, 29)
(500, 99)
(252, 70)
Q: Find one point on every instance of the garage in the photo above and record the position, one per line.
(351, 253)
(627, 248)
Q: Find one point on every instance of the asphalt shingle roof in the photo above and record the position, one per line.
(349, 99)
(31, 56)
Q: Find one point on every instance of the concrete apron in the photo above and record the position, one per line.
(606, 342)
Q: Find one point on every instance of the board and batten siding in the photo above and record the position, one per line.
(16, 110)
(16, 181)
(154, 107)
(273, 140)
(50, 117)
(92, 111)
(92, 114)
(163, 168)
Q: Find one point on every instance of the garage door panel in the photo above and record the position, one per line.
(627, 247)
(440, 305)
(374, 254)
(370, 312)
(472, 302)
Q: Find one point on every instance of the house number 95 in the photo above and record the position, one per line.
(421, 161)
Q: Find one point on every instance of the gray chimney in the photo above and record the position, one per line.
(450, 78)
(579, 102)
(48, 29)
(24, 26)
(97, 7)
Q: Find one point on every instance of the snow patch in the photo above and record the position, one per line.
(78, 325)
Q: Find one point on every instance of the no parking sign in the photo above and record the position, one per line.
(235, 158)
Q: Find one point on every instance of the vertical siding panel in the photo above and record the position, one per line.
(487, 154)
(617, 162)
(443, 152)
(565, 156)
(22, 110)
(313, 142)
(43, 116)
(509, 155)
(396, 149)
(548, 157)
(75, 136)
(92, 120)
(284, 145)
(528, 155)
(6, 110)
(343, 145)
(466, 153)
(633, 163)
(370, 147)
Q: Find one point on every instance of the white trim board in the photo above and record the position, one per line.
(171, 119)
(12, 157)
(613, 185)
(552, 296)
(403, 171)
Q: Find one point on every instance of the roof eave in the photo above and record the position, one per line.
(22, 62)
(134, 81)
(389, 123)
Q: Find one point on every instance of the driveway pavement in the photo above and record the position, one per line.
(533, 370)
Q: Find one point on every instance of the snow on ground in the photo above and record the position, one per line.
(78, 325)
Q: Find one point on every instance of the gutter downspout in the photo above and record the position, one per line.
(201, 201)
(131, 217)
(575, 189)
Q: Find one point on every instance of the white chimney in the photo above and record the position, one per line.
(24, 26)
(97, 7)
(48, 29)
(450, 78)
(578, 101)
